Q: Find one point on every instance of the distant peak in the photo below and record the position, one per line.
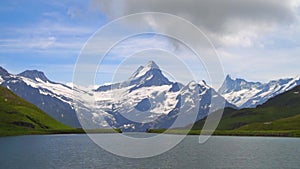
(152, 64)
(34, 75)
(228, 77)
(3, 72)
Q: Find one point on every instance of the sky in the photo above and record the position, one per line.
(258, 40)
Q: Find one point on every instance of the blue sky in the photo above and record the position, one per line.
(45, 35)
(256, 42)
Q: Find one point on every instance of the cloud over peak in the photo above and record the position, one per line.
(231, 21)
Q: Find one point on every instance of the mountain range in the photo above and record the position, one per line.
(148, 99)
(246, 94)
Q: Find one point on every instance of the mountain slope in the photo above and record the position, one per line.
(246, 94)
(53, 98)
(284, 107)
(20, 116)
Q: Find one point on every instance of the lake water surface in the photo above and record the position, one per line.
(78, 151)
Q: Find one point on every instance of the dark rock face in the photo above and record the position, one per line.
(144, 105)
(34, 74)
(3, 72)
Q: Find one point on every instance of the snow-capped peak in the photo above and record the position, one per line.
(232, 85)
(142, 70)
(34, 75)
(152, 65)
(246, 94)
(144, 76)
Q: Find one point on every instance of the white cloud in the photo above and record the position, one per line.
(261, 65)
(45, 36)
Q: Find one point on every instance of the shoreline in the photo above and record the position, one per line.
(66, 131)
(266, 133)
(261, 133)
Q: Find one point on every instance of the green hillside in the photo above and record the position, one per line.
(279, 113)
(18, 116)
(290, 123)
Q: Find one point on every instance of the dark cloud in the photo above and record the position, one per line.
(211, 15)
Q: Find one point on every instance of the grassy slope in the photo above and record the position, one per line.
(290, 123)
(18, 116)
(279, 113)
(280, 116)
